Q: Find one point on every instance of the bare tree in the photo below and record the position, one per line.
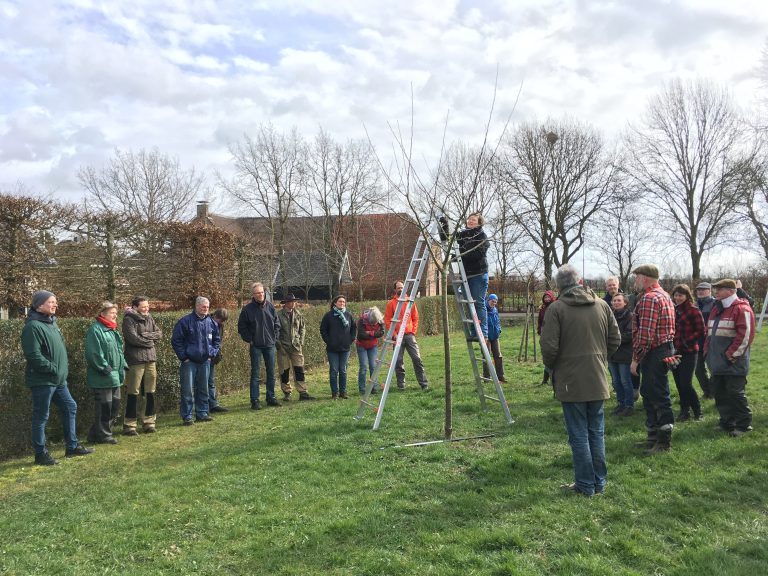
(754, 190)
(620, 234)
(560, 175)
(343, 180)
(455, 187)
(682, 155)
(270, 178)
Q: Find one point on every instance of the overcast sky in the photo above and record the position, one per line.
(79, 79)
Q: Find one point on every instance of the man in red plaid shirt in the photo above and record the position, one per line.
(653, 333)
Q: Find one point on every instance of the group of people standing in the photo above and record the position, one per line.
(643, 337)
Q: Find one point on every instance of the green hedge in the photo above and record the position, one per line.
(233, 373)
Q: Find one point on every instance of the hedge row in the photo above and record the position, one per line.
(232, 374)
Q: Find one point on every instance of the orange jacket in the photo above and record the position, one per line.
(412, 324)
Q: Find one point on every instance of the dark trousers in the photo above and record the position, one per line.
(498, 360)
(731, 401)
(654, 387)
(702, 375)
(683, 376)
(105, 413)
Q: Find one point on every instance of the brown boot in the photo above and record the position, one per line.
(663, 442)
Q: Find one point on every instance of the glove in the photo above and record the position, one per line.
(106, 371)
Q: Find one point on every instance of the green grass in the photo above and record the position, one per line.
(306, 489)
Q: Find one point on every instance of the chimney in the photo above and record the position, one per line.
(202, 210)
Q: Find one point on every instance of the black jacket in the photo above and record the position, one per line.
(624, 354)
(259, 325)
(473, 244)
(337, 338)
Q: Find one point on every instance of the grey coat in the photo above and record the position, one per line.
(140, 334)
(579, 335)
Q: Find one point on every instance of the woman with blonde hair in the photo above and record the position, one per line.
(370, 327)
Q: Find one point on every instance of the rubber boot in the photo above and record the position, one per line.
(663, 442)
(499, 364)
(650, 440)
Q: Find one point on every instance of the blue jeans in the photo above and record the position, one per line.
(367, 359)
(269, 362)
(585, 424)
(337, 371)
(42, 396)
(194, 376)
(621, 378)
(478, 286)
(212, 401)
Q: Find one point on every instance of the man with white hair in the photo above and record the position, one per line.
(195, 341)
(578, 336)
(611, 289)
(730, 333)
(653, 334)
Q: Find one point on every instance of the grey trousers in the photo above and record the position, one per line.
(105, 413)
(410, 344)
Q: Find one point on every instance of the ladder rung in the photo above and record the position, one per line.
(494, 398)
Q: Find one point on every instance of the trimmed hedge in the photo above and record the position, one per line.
(233, 373)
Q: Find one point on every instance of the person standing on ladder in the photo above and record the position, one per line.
(473, 244)
(409, 339)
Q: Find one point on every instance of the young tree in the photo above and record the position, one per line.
(683, 155)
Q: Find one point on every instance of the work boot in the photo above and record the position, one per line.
(663, 442)
(286, 397)
(78, 450)
(650, 440)
(219, 408)
(305, 396)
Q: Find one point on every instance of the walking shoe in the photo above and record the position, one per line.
(219, 408)
(502, 379)
(78, 450)
(683, 417)
(148, 430)
(45, 459)
(618, 410)
(287, 397)
(305, 396)
(425, 388)
(401, 388)
(698, 417)
(187, 422)
(649, 441)
(663, 442)
(130, 432)
(343, 396)
(626, 411)
(205, 418)
(273, 402)
(334, 396)
(255, 405)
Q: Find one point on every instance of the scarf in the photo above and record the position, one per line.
(339, 312)
(108, 323)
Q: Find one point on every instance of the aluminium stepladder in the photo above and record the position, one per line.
(468, 315)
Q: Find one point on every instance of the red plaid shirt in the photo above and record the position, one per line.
(654, 322)
(689, 328)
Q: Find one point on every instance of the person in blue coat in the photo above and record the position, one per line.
(494, 332)
(195, 341)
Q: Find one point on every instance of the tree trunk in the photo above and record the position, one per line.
(448, 431)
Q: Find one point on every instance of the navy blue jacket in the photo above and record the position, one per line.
(337, 338)
(259, 325)
(196, 339)
(494, 323)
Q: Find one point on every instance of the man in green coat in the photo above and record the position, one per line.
(578, 336)
(46, 376)
(289, 349)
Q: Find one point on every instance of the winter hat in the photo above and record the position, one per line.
(40, 297)
(492, 297)
(725, 283)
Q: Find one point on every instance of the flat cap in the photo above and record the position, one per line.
(650, 270)
(725, 283)
(704, 286)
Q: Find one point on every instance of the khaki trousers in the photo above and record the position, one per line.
(287, 359)
(146, 372)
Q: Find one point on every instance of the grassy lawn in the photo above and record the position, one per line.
(306, 489)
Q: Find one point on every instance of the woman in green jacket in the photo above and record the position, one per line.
(106, 372)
